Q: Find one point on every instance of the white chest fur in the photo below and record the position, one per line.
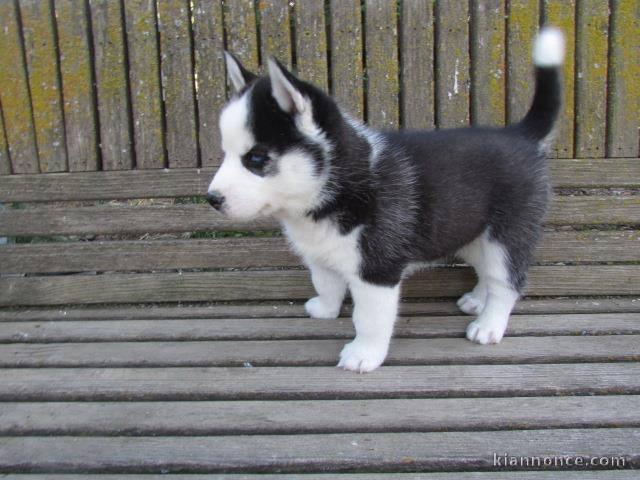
(321, 243)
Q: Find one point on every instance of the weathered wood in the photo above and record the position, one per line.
(275, 32)
(595, 172)
(313, 416)
(279, 309)
(434, 451)
(144, 78)
(178, 85)
(210, 79)
(116, 142)
(241, 29)
(592, 33)
(346, 56)
(210, 326)
(522, 25)
(291, 285)
(5, 161)
(562, 14)
(382, 69)
(265, 383)
(623, 99)
(311, 43)
(452, 64)
(141, 255)
(44, 84)
(80, 115)
(417, 93)
(105, 220)
(488, 89)
(14, 94)
(298, 353)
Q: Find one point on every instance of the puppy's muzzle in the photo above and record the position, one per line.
(215, 199)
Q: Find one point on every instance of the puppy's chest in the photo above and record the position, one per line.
(321, 243)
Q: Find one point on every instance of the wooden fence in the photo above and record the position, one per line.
(138, 84)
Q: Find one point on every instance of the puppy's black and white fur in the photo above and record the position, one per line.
(364, 207)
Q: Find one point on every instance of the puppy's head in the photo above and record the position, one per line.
(276, 151)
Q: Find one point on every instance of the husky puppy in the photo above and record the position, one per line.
(362, 207)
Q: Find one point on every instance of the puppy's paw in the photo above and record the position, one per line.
(470, 304)
(317, 309)
(362, 357)
(485, 331)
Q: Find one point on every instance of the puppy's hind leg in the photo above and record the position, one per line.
(374, 312)
(331, 288)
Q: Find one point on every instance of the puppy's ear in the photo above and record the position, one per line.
(238, 75)
(284, 90)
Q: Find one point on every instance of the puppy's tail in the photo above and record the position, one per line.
(548, 55)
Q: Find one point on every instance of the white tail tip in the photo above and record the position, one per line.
(548, 49)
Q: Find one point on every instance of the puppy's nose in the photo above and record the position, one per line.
(215, 200)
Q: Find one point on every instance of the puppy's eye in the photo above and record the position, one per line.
(255, 161)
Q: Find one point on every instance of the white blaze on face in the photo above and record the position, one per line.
(293, 188)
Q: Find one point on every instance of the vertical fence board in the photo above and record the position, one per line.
(44, 84)
(5, 162)
(452, 64)
(624, 80)
(311, 43)
(77, 85)
(346, 55)
(14, 94)
(383, 87)
(178, 83)
(242, 37)
(488, 62)
(275, 30)
(111, 80)
(591, 84)
(146, 104)
(522, 25)
(210, 70)
(561, 14)
(417, 95)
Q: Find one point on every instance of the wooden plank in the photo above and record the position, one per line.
(210, 76)
(452, 64)
(346, 56)
(488, 76)
(14, 94)
(241, 30)
(284, 383)
(140, 255)
(80, 115)
(522, 25)
(44, 83)
(311, 43)
(592, 34)
(562, 14)
(382, 68)
(106, 220)
(129, 184)
(304, 353)
(209, 327)
(144, 78)
(275, 32)
(178, 87)
(275, 309)
(623, 90)
(5, 161)
(316, 416)
(300, 453)
(291, 285)
(116, 142)
(417, 93)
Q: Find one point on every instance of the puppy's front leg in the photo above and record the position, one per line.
(331, 288)
(375, 310)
